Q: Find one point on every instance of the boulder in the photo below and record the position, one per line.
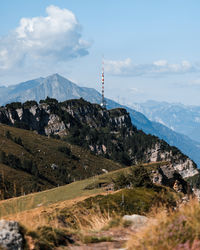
(10, 235)
(136, 220)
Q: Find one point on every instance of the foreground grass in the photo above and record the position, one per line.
(171, 231)
(69, 214)
(81, 222)
(166, 230)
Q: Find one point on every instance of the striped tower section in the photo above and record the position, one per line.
(103, 102)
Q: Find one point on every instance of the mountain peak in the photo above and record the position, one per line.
(54, 76)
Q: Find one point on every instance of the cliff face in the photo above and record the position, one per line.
(109, 133)
(46, 120)
(184, 166)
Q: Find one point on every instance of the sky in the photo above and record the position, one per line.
(150, 47)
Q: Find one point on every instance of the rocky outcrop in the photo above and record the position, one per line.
(44, 119)
(185, 166)
(55, 126)
(10, 235)
(37, 117)
(167, 176)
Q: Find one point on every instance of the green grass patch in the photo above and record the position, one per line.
(49, 238)
(129, 201)
(94, 239)
(111, 177)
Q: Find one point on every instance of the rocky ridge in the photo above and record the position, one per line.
(109, 133)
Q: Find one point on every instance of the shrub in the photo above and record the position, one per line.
(13, 161)
(29, 104)
(14, 105)
(137, 177)
(64, 149)
(3, 158)
(8, 135)
(94, 239)
(47, 238)
(49, 101)
(18, 140)
(129, 201)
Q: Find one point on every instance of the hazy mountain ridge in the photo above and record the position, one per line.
(181, 118)
(54, 86)
(58, 87)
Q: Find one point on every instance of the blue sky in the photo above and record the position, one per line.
(151, 47)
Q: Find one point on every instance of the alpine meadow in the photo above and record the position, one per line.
(99, 125)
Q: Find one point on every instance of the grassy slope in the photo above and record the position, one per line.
(44, 152)
(55, 195)
(22, 181)
(45, 198)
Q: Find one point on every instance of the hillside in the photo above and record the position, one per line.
(108, 133)
(56, 86)
(84, 188)
(32, 162)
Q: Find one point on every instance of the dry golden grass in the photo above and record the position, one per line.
(93, 221)
(87, 223)
(45, 215)
(170, 230)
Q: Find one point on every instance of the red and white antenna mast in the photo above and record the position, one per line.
(103, 101)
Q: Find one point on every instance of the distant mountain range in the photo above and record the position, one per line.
(58, 87)
(180, 118)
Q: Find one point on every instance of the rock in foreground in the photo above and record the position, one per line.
(10, 236)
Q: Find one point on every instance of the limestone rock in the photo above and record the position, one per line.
(185, 167)
(167, 175)
(10, 236)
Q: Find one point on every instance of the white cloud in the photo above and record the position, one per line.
(118, 67)
(53, 38)
(128, 68)
(135, 90)
(161, 63)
